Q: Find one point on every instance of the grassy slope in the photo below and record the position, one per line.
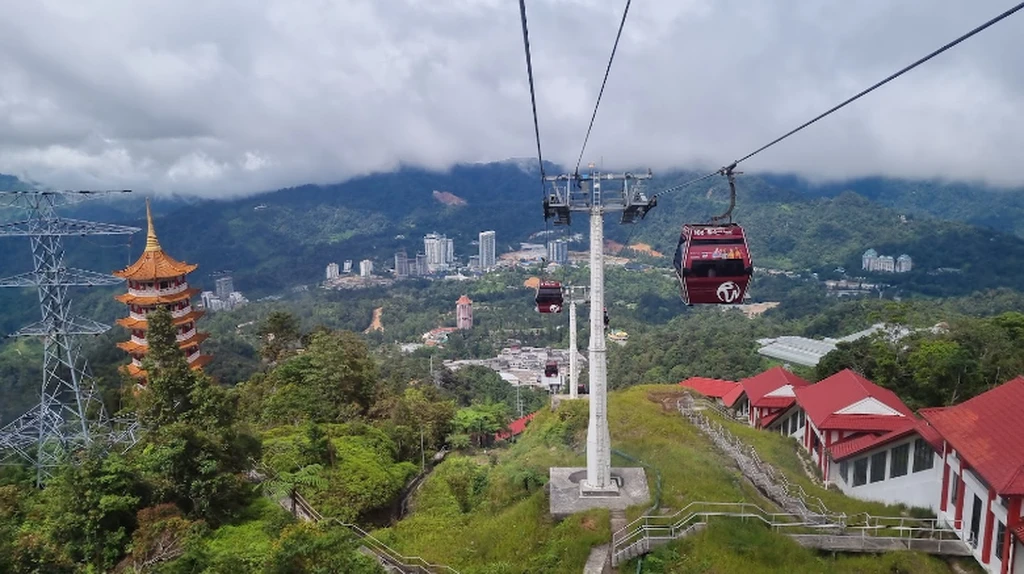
(507, 529)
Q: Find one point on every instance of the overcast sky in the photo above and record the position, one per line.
(219, 97)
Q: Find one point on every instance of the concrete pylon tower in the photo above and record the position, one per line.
(599, 442)
(598, 485)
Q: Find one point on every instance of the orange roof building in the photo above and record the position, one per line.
(464, 313)
(158, 280)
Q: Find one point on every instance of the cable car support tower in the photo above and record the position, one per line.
(596, 194)
(70, 414)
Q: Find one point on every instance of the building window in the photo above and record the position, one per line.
(163, 285)
(860, 472)
(878, 466)
(954, 485)
(802, 418)
(1000, 535)
(900, 456)
(844, 471)
(924, 456)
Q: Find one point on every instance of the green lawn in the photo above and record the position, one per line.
(488, 513)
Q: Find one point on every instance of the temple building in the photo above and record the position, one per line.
(158, 280)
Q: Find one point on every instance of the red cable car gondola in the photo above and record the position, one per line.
(713, 264)
(549, 297)
(581, 389)
(551, 369)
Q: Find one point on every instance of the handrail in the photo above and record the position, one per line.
(384, 553)
(803, 511)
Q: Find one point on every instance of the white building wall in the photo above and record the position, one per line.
(920, 489)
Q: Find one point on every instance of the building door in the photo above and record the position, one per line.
(975, 521)
(1018, 548)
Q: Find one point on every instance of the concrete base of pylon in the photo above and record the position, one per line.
(568, 493)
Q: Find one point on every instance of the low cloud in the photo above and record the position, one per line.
(235, 97)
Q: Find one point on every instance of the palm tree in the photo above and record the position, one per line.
(288, 483)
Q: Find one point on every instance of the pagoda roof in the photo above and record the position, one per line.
(135, 348)
(140, 373)
(154, 263)
(133, 323)
(144, 300)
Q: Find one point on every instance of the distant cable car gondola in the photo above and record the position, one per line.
(713, 264)
(581, 389)
(606, 317)
(551, 369)
(549, 297)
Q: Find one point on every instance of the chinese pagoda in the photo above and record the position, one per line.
(158, 280)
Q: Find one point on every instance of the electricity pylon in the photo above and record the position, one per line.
(70, 414)
(583, 193)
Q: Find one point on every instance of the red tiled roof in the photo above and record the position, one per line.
(865, 442)
(761, 384)
(732, 396)
(769, 419)
(515, 427)
(822, 399)
(867, 423)
(985, 431)
(774, 402)
(715, 388)
(1018, 531)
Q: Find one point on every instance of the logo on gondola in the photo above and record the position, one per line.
(728, 292)
(555, 308)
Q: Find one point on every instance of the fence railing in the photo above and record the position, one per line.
(386, 555)
(805, 516)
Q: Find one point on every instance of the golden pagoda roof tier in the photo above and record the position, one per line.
(154, 264)
(134, 371)
(132, 347)
(201, 361)
(133, 323)
(140, 373)
(142, 300)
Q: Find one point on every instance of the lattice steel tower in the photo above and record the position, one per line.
(70, 414)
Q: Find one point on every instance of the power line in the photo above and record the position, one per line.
(604, 82)
(533, 95)
(852, 99)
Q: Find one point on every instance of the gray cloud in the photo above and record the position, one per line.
(233, 97)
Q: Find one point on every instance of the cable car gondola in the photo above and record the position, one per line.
(713, 264)
(551, 369)
(606, 317)
(581, 389)
(549, 297)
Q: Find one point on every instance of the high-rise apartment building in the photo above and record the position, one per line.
(439, 250)
(365, 268)
(401, 264)
(347, 266)
(558, 251)
(223, 287)
(487, 250)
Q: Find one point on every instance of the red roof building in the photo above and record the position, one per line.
(846, 406)
(766, 396)
(712, 388)
(983, 473)
(515, 428)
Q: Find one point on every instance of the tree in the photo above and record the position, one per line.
(279, 333)
(318, 549)
(163, 535)
(174, 392)
(288, 483)
(90, 507)
(191, 452)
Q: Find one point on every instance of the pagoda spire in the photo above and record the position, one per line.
(152, 244)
